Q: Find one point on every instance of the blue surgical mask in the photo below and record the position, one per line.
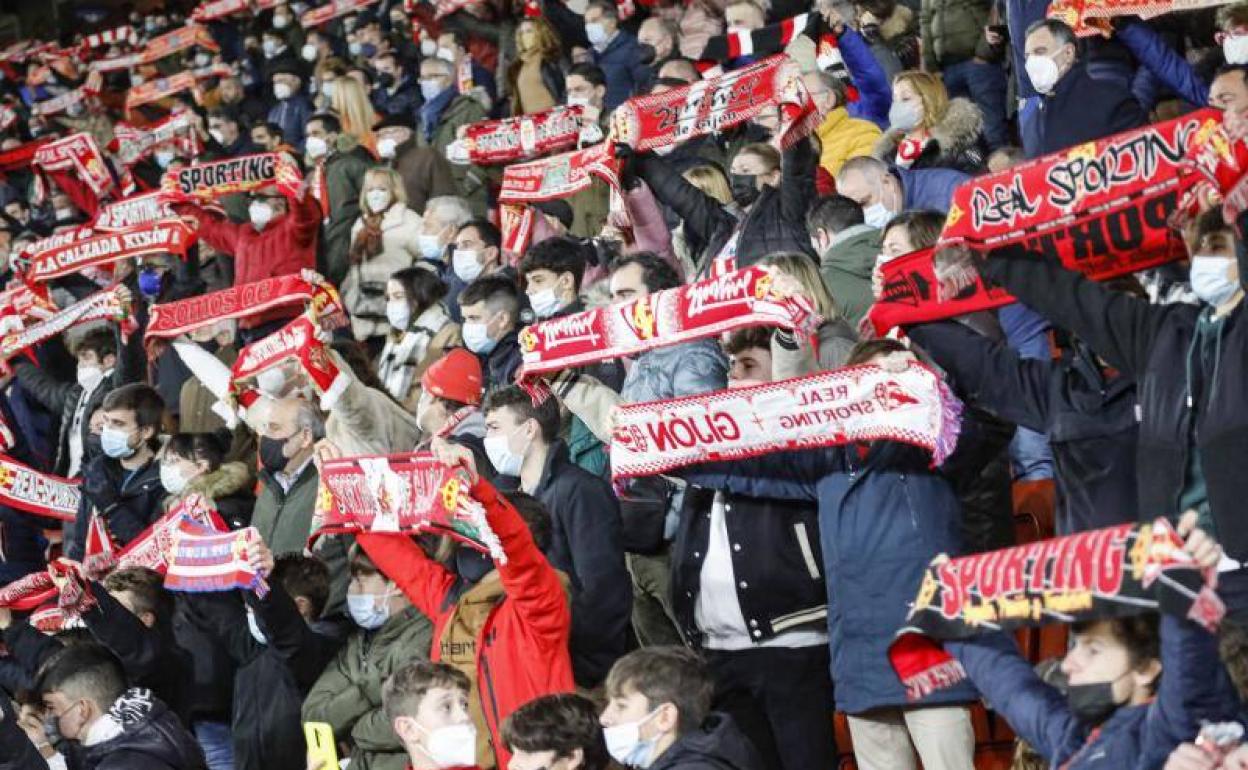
(150, 280)
(545, 303)
(476, 338)
(625, 744)
(1209, 280)
(116, 443)
(369, 611)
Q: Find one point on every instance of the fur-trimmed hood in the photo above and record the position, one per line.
(957, 134)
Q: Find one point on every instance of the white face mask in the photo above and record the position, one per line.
(164, 158)
(89, 377)
(430, 246)
(1209, 280)
(1042, 72)
(452, 746)
(202, 60)
(327, 88)
(429, 89)
(281, 22)
(316, 147)
(578, 101)
(386, 147)
(505, 461)
(172, 479)
(308, 52)
(545, 303)
(1235, 49)
(260, 213)
(476, 338)
(378, 200)
(422, 410)
(136, 80)
(446, 54)
(596, 33)
(467, 264)
(281, 90)
(399, 313)
(428, 47)
(625, 744)
(905, 116)
(876, 215)
(217, 136)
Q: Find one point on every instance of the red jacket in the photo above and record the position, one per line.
(522, 648)
(287, 245)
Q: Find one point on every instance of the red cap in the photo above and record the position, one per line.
(455, 376)
(532, 9)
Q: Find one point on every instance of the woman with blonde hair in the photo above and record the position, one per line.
(350, 101)
(535, 78)
(927, 129)
(709, 179)
(384, 240)
(797, 274)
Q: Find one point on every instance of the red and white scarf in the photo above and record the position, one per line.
(131, 143)
(123, 34)
(298, 341)
(909, 150)
(162, 88)
(859, 403)
(100, 306)
(669, 317)
(490, 142)
(169, 236)
(135, 210)
(36, 493)
(243, 174)
(219, 9)
(332, 10)
(58, 104)
(203, 560)
(76, 165)
(22, 155)
(410, 493)
(152, 547)
(180, 39)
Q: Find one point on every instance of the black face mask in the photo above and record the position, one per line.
(646, 54)
(871, 32)
(385, 79)
(272, 456)
(1092, 704)
(744, 189)
(472, 565)
(52, 731)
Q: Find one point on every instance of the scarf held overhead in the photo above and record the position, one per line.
(298, 341)
(491, 142)
(169, 236)
(39, 494)
(154, 545)
(203, 560)
(232, 175)
(410, 493)
(683, 314)
(162, 88)
(332, 10)
(76, 165)
(860, 403)
(135, 210)
(1123, 570)
(131, 143)
(103, 305)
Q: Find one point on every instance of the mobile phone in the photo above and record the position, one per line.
(320, 738)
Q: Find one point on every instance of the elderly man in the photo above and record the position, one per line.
(283, 512)
(444, 112)
(426, 173)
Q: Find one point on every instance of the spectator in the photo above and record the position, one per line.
(226, 135)
(425, 172)
(420, 332)
(349, 102)
(340, 165)
(397, 92)
(191, 463)
(478, 251)
(427, 704)
(615, 51)
(283, 513)
(292, 109)
(443, 113)
(883, 191)
(490, 307)
(795, 274)
(443, 218)
(556, 728)
(928, 130)
(841, 135)
(535, 78)
(451, 392)
(847, 248)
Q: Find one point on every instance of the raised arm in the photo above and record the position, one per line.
(1164, 62)
(424, 582)
(797, 182)
(875, 95)
(701, 213)
(219, 232)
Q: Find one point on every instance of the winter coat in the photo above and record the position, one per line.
(149, 737)
(461, 111)
(348, 694)
(364, 288)
(775, 222)
(292, 116)
(1185, 399)
(285, 518)
(402, 100)
(620, 61)
(846, 270)
(426, 174)
(344, 179)
(875, 93)
(1088, 418)
(951, 30)
(585, 545)
(284, 247)
(650, 230)
(431, 334)
(717, 745)
(127, 503)
(500, 365)
(1165, 63)
(775, 555)
(519, 642)
(364, 420)
(842, 137)
(956, 141)
(1082, 109)
(1194, 688)
(796, 357)
(929, 188)
(882, 519)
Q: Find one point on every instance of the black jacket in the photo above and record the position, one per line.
(1082, 108)
(1088, 417)
(775, 551)
(775, 222)
(1153, 345)
(499, 366)
(129, 504)
(717, 745)
(585, 544)
(151, 738)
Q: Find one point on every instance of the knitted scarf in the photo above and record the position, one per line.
(135, 210)
(169, 236)
(75, 165)
(204, 560)
(396, 366)
(103, 305)
(36, 493)
(330, 11)
(190, 36)
(232, 175)
(162, 88)
(368, 241)
(493, 142)
(132, 144)
(298, 341)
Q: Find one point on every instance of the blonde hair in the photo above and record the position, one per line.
(931, 91)
(394, 183)
(803, 268)
(353, 108)
(711, 181)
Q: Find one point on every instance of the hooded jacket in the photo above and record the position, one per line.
(717, 745)
(148, 736)
(520, 647)
(846, 269)
(957, 141)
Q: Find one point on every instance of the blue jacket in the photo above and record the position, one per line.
(1194, 687)
(677, 370)
(929, 188)
(875, 95)
(291, 114)
(1080, 109)
(403, 101)
(621, 63)
(1165, 64)
(882, 519)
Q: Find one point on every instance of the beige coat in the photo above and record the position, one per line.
(366, 421)
(364, 288)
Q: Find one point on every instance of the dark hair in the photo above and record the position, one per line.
(608, 9)
(655, 272)
(765, 152)
(515, 398)
(102, 342)
(143, 400)
(304, 576)
(1227, 69)
(328, 120)
(197, 447)
(224, 114)
(406, 688)
(834, 214)
(360, 563)
(486, 230)
(273, 128)
(748, 338)
(1210, 222)
(591, 73)
(85, 671)
(866, 350)
(558, 255)
(1140, 634)
(674, 675)
(559, 723)
(922, 226)
(147, 586)
(1060, 31)
(535, 516)
(423, 287)
(355, 354)
(496, 291)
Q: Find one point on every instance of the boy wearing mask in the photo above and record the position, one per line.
(427, 704)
